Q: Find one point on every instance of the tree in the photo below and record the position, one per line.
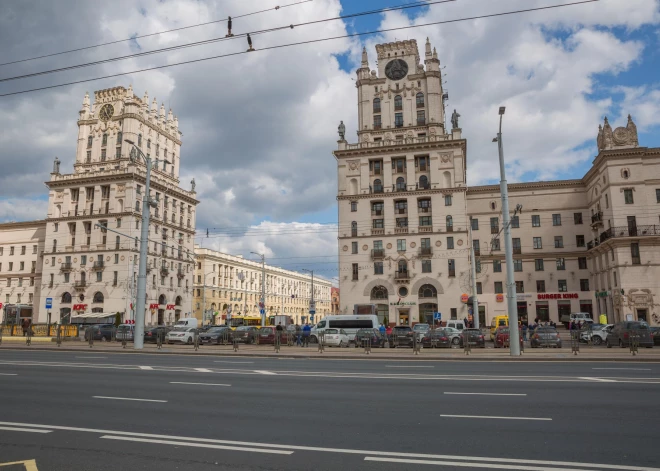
(117, 319)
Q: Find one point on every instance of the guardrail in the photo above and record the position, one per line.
(40, 330)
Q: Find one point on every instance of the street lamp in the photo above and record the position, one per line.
(204, 297)
(241, 277)
(262, 305)
(147, 203)
(512, 306)
(312, 304)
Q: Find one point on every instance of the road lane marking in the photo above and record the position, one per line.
(200, 384)
(483, 394)
(408, 366)
(127, 399)
(625, 369)
(470, 465)
(236, 362)
(30, 465)
(8, 374)
(492, 417)
(200, 445)
(600, 380)
(99, 358)
(21, 429)
(264, 372)
(148, 368)
(203, 370)
(336, 450)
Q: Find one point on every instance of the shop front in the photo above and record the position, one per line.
(543, 311)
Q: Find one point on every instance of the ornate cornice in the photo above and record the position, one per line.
(401, 194)
(22, 224)
(429, 145)
(136, 116)
(529, 186)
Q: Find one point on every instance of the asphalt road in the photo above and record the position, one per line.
(72, 411)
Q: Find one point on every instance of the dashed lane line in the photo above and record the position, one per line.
(200, 384)
(469, 465)
(482, 394)
(21, 429)
(453, 416)
(199, 445)
(128, 399)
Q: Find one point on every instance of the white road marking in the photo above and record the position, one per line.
(470, 465)
(483, 394)
(625, 369)
(200, 384)
(127, 399)
(199, 445)
(96, 358)
(410, 366)
(264, 372)
(336, 450)
(148, 368)
(236, 362)
(8, 374)
(20, 429)
(491, 417)
(600, 380)
(203, 370)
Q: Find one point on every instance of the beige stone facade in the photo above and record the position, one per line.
(407, 217)
(218, 282)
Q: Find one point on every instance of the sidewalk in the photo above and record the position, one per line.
(399, 354)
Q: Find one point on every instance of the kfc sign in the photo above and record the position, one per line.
(153, 306)
(170, 307)
(559, 296)
(80, 307)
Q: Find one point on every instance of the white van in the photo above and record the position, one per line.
(350, 323)
(455, 324)
(187, 322)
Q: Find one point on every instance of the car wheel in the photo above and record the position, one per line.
(189, 341)
(455, 341)
(596, 340)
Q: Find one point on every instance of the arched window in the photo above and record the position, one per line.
(66, 298)
(104, 141)
(354, 229)
(428, 291)
(447, 179)
(139, 140)
(378, 186)
(398, 103)
(400, 184)
(58, 212)
(450, 224)
(376, 105)
(177, 301)
(379, 292)
(173, 218)
(353, 186)
(120, 205)
(83, 277)
(89, 141)
(403, 266)
(148, 143)
(423, 182)
(162, 299)
(98, 297)
(420, 100)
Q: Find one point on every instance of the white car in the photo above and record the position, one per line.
(454, 335)
(336, 338)
(598, 333)
(181, 334)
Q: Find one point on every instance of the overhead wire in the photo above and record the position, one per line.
(310, 41)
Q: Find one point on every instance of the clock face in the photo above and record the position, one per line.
(396, 69)
(106, 113)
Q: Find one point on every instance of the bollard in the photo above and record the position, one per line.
(321, 342)
(123, 339)
(58, 336)
(366, 342)
(278, 340)
(0, 335)
(159, 339)
(289, 339)
(416, 344)
(634, 342)
(235, 341)
(196, 339)
(575, 342)
(467, 348)
(91, 338)
(28, 337)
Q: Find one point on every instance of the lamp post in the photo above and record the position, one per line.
(312, 304)
(147, 203)
(512, 307)
(204, 297)
(262, 305)
(241, 277)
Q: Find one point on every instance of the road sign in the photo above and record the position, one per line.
(437, 316)
(261, 305)
(49, 303)
(262, 311)
(312, 311)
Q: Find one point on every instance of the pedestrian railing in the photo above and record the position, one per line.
(278, 341)
(575, 342)
(321, 340)
(416, 344)
(366, 343)
(159, 339)
(634, 342)
(467, 348)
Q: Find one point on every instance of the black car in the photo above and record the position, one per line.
(217, 334)
(544, 336)
(436, 338)
(621, 332)
(246, 334)
(151, 335)
(655, 333)
(377, 338)
(100, 332)
(401, 336)
(474, 337)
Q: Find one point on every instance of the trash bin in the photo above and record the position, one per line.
(602, 318)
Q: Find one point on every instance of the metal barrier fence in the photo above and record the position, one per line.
(321, 340)
(467, 348)
(40, 330)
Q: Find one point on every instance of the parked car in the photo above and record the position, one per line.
(336, 338)
(402, 336)
(378, 340)
(454, 335)
(420, 330)
(181, 334)
(216, 334)
(125, 332)
(104, 332)
(502, 337)
(620, 334)
(436, 338)
(655, 333)
(151, 335)
(545, 336)
(267, 335)
(597, 333)
(474, 337)
(246, 334)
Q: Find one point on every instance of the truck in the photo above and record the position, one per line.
(187, 322)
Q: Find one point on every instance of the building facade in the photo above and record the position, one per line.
(88, 269)
(334, 300)
(407, 219)
(227, 285)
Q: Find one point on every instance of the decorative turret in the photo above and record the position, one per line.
(129, 93)
(428, 49)
(365, 58)
(162, 111)
(154, 107)
(619, 138)
(170, 117)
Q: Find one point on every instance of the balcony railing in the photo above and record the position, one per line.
(425, 228)
(517, 250)
(425, 251)
(180, 274)
(80, 285)
(376, 212)
(425, 209)
(402, 275)
(377, 254)
(494, 229)
(597, 218)
(67, 266)
(452, 272)
(400, 230)
(477, 252)
(377, 231)
(421, 122)
(624, 231)
(98, 265)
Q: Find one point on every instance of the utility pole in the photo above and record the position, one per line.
(262, 305)
(312, 304)
(512, 307)
(475, 302)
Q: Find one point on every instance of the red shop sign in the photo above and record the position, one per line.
(80, 307)
(170, 306)
(153, 306)
(559, 296)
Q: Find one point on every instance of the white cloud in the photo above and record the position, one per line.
(22, 209)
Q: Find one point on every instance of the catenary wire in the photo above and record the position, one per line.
(311, 41)
(152, 34)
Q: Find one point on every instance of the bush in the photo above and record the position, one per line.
(117, 319)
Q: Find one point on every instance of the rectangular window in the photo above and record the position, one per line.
(11, 266)
(634, 253)
(451, 265)
(562, 287)
(584, 285)
(577, 218)
(83, 259)
(559, 242)
(657, 196)
(498, 287)
(538, 244)
(540, 286)
(447, 200)
(517, 265)
(628, 196)
(426, 266)
(378, 268)
(402, 222)
(538, 264)
(497, 266)
(378, 224)
(426, 243)
(11, 250)
(450, 243)
(401, 207)
(515, 222)
(355, 272)
(103, 155)
(517, 249)
(425, 221)
(353, 206)
(89, 156)
(520, 287)
(582, 263)
(34, 249)
(479, 288)
(398, 120)
(21, 266)
(536, 220)
(614, 278)
(453, 312)
(66, 277)
(494, 225)
(477, 266)
(116, 258)
(561, 264)
(556, 219)
(476, 247)
(115, 275)
(354, 247)
(99, 275)
(421, 119)
(401, 245)
(495, 244)
(474, 223)
(579, 240)
(422, 163)
(377, 122)
(22, 250)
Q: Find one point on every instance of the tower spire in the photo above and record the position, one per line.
(365, 59)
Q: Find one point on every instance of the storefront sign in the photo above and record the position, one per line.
(523, 296)
(403, 303)
(602, 294)
(559, 296)
(170, 307)
(464, 298)
(80, 307)
(153, 306)
(499, 298)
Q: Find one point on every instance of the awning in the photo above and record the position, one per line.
(95, 315)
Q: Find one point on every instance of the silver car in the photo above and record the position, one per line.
(597, 334)
(420, 330)
(454, 335)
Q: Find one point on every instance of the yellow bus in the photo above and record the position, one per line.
(238, 321)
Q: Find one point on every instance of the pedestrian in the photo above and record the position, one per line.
(382, 329)
(25, 325)
(465, 322)
(388, 330)
(524, 332)
(279, 327)
(298, 335)
(306, 331)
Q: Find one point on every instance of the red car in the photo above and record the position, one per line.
(266, 335)
(502, 337)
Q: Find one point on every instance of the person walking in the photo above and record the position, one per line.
(524, 331)
(298, 335)
(25, 325)
(306, 331)
(382, 329)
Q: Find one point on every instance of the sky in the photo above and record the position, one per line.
(259, 129)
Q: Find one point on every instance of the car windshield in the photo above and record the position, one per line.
(244, 328)
(331, 331)
(504, 330)
(401, 327)
(123, 327)
(180, 329)
(546, 329)
(216, 329)
(422, 327)
(639, 325)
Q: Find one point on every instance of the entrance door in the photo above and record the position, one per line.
(632, 226)
(641, 315)
(482, 316)
(161, 317)
(522, 311)
(404, 316)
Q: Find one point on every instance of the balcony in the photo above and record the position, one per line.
(425, 251)
(425, 228)
(597, 219)
(494, 229)
(477, 252)
(426, 209)
(400, 230)
(625, 231)
(98, 265)
(377, 254)
(80, 285)
(403, 211)
(377, 212)
(377, 231)
(164, 270)
(452, 273)
(450, 229)
(180, 274)
(67, 266)
(402, 275)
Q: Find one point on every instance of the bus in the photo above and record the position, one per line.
(238, 321)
